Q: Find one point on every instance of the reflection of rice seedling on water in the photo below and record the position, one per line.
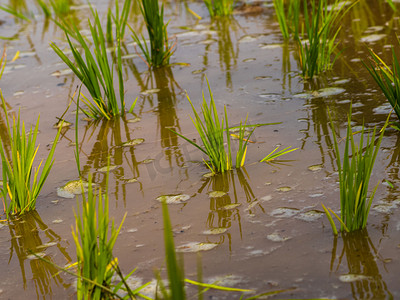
(22, 182)
(354, 175)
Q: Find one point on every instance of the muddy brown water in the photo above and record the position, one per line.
(276, 237)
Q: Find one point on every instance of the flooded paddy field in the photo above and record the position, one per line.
(265, 228)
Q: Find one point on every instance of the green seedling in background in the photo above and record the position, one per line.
(160, 50)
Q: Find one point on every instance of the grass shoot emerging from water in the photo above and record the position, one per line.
(219, 7)
(288, 13)
(319, 45)
(22, 182)
(94, 248)
(214, 133)
(96, 72)
(387, 78)
(354, 176)
(160, 49)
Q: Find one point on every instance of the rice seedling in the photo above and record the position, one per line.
(94, 248)
(288, 14)
(387, 78)
(274, 155)
(22, 182)
(96, 72)
(319, 45)
(354, 176)
(214, 132)
(160, 49)
(119, 19)
(219, 7)
(392, 5)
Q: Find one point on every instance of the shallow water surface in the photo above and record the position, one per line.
(260, 227)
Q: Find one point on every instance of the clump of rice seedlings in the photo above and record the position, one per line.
(319, 44)
(220, 7)
(22, 182)
(95, 236)
(354, 176)
(160, 49)
(96, 71)
(214, 133)
(288, 14)
(387, 78)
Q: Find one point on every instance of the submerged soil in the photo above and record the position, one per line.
(267, 232)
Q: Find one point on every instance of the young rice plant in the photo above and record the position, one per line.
(219, 7)
(387, 78)
(354, 176)
(319, 45)
(96, 72)
(22, 182)
(160, 49)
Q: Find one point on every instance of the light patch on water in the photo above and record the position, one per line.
(247, 39)
(284, 189)
(18, 93)
(208, 175)
(132, 230)
(341, 81)
(196, 247)
(130, 180)
(225, 280)
(250, 59)
(384, 208)
(63, 72)
(231, 206)
(383, 109)
(276, 237)
(137, 119)
(372, 38)
(310, 216)
(36, 255)
(325, 92)
(57, 221)
(173, 199)
(266, 198)
(150, 91)
(215, 231)
(352, 277)
(315, 168)
(330, 91)
(129, 56)
(49, 244)
(270, 46)
(216, 194)
(284, 212)
(207, 42)
(72, 188)
(107, 168)
(133, 142)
